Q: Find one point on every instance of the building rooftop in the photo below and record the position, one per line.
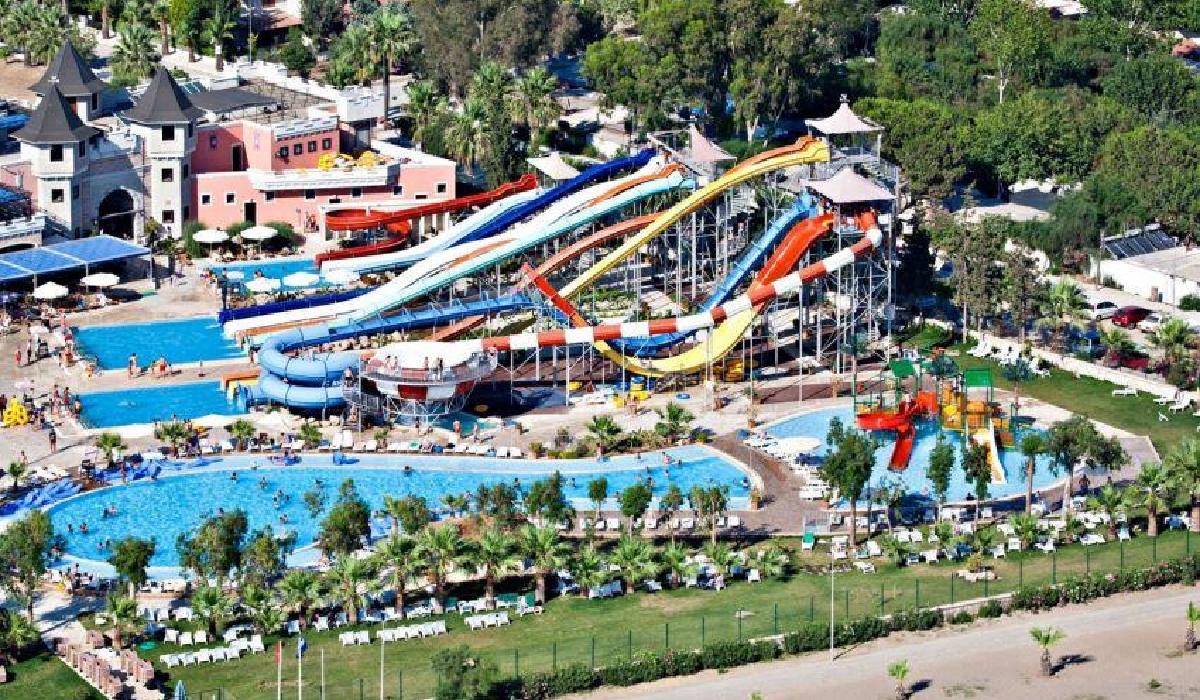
(72, 73)
(844, 121)
(54, 122)
(231, 100)
(1181, 261)
(163, 102)
(848, 187)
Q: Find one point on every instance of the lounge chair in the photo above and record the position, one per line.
(346, 639)
(1181, 405)
(753, 576)
(200, 636)
(1124, 391)
(865, 567)
(171, 636)
(185, 639)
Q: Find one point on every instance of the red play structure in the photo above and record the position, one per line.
(396, 222)
(900, 419)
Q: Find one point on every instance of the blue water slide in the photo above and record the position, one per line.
(306, 302)
(593, 174)
(804, 207)
(314, 382)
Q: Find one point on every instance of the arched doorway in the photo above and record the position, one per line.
(116, 214)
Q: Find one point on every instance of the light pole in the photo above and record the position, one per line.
(831, 602)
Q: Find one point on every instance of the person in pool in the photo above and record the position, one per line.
(262, 483)
(233, 477)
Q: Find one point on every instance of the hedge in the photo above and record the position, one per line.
(652, 666)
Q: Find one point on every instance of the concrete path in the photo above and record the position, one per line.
(1122, 647)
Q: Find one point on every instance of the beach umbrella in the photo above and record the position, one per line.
(258, 233)
(100, 279)
(50, 290)
(210, 236)
(152, 456)
(136, 431)
(341, 276)
(38, 329)
(263, 284)
(276, 421)
(301, 279)
(234, 275)
(213, 420)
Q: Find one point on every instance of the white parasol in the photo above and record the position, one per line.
(210, 236)
(341, 276)
(50, 290)
(213, 420)
(301, 279)
(263, 284)
(234, 275)
(136, 431)
(100, 279)
(258, 233)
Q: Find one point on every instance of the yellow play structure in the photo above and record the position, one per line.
(15, 414)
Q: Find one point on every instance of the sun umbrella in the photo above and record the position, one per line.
(301, 279)
(234, 275)
(50, 290)
(341, 276)
(276, 421)
(38, 329)
(100, 279)
(213, 420)
(258, 233)
(210, 236)
(138, 430)
(152, 456)
(263, 284)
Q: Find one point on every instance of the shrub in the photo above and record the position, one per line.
(915, 620)
(728, 654)
(576, 678)
(992, 608)
(961, 618)
(811, 637)
(1189, 302)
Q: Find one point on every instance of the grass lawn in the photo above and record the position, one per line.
(1093, 398)
(572, 630)
(45, 676)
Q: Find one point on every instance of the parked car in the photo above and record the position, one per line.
(1100, 310)
(1153, 322)
(1130, 316)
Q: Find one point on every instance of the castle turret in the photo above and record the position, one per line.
(166, 120)
(55, 141)
(75, 80)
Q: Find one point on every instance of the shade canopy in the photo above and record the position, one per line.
(263, 284)
(50, 290)
(341, 276)
(210, 236)
(848, 187)
(258, 233)
(234, 275)
(100, 279)
(844, 121)
(301, 279)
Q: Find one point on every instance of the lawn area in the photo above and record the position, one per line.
(45, 676)
(574, 630)
(1093, 398)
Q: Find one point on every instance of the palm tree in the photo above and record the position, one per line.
(393, 38)
(1026, 528)
(261, 604)
(1183, 464)
(310, 435)
(350, 577)
(108, 444)
(426, 108)
(1173, 338)
(674, 421)
(1193, 616)
(213, 606)
(19, 634)
(456, 503)
(1116, 344)
(898, 671)
(606, 431)
(133, 57)
(720, 556)
(895, 549)
(466, 135)
(1032, 446)
(545, 551)
(355, 55)
(219, 27)
(105, 25)
(588, 570)
(1045, 639)
(675, 562)
(669, 505)
(394, 508)
(301, 591)
(1111, 502)
(241, 430)
(160, 12)
(634, 559)
(130, 558)
(534, 105)
(1066, 304)
(443, 548)
(1151, 490)
(16, 472)
(401, 555)
(174, 432)
(495, 553)
(124, 615)
(46, 32)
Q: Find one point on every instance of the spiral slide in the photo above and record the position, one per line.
(901, 421)
(397, 221)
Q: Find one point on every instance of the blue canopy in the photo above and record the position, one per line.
(62, 257)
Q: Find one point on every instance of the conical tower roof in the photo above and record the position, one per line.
(163, 102)
(54, 122)
(72, 73)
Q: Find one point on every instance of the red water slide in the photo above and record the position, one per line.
(901, 421)
(397, 222)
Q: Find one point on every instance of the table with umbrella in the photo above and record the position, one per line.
(258, 234)
(341, 277)
(50, 291)
(210, 237)
(263, 285)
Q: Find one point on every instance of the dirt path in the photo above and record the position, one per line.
(1123, 647)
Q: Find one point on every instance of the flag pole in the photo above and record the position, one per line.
(279, 670)
(382, 644)
(300, 670)
(322, 673)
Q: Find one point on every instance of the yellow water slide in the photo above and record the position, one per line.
(726, 335)
(986, 436)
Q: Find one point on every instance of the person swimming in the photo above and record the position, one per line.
(233, 477)
(262, 483)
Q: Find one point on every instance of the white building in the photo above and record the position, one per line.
(1150, 264)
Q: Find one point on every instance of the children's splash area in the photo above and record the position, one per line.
(181, 494)
(906, 417)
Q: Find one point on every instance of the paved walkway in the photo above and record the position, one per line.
(1114, 649)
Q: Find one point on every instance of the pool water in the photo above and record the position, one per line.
(109, 409)
(816, 424)
(180, 341)
(172, 505)
(276, 269)
(467, 422)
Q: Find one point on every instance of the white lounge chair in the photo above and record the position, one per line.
(185, 639)
(256, 644)
(1124, 391)
(200, 636)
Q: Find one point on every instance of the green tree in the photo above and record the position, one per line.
(174, 433)
(348, 521)
(213, 607)
(1026, 528)
(16, 472)
(310, 435)
(597, 490)
(927, 137)
(674, 421)
(187, 19)
(546, 552)
(589, 570)
(977, 469)
(1153, 491)
(109, 444)
(296, 55)
(1193, 616)
(898, 671)
(1033, 445)
(442, 548)
(1065, 304)
(25, 550)
(676, 562)
(321, 18)
(546, 499)
(264, 558)
(393, 39)
(461, 676)
(634, 501)
(941, 467)
(1013, 34)
(429, 112)
(130, 557)
(350, 578)
(133, 58)
(215, 548)
(1157, 86)
(401, 555)
(302, 590)
(1183, 465)
(634, 559)
(670, 504)
(160, 14)
(1109, 501)
(123, 612)
(219, 27)
(1023, 292)
(533, 101)
(410, 512)
(242, 430)
(848, 469)
(605, 430)
(495, 552)
(1046, 639)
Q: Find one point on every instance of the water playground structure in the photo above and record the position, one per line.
(898, 398)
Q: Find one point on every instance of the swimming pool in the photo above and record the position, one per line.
(186, 340)
(277, 268)
(175, 504)
(816, 424)
(109, 409)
